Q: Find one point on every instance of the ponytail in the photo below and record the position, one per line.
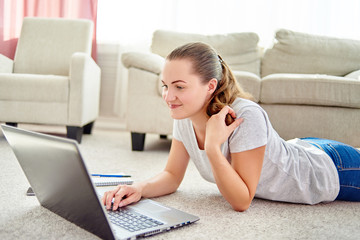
(227, 91)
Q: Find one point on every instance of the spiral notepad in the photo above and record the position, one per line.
(111, 181)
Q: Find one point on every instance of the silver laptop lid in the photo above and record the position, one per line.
(59, 178)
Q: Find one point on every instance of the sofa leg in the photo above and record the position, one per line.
(11, 124)
(137, 141)
(88, 128)
(74, 133)
(162, 136)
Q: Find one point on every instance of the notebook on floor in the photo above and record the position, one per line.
(57, 173)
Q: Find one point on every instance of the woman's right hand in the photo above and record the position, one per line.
(217, 131)
(122, 196)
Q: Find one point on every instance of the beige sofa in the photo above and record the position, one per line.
(309, 85)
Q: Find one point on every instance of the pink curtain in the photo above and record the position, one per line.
(12, 13)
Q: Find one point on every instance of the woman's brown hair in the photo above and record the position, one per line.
(208, 65)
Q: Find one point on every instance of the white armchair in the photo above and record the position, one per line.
(146, 110)
(53, 79)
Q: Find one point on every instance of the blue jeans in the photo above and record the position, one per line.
(347, 162)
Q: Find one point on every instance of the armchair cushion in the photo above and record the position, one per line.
(239, 50)
(33, 88)
(296, 52)
(45, 47)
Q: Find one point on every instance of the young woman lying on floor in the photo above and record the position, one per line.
(232, 143)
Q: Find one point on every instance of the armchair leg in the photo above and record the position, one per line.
(137, 141)
(11, 124)
(88, 128)
(74, 133)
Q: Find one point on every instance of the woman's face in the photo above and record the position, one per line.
(183, 90)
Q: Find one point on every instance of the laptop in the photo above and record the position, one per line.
(57, 174)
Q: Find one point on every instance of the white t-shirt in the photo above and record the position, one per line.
(293, 171)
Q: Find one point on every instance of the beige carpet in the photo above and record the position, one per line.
(107, 150)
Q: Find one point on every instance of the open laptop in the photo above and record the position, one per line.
(58, 176)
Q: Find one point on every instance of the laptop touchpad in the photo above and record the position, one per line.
(150, 206)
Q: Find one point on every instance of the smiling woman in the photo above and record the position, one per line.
(244, 157)
(180, 89)
(194, 62)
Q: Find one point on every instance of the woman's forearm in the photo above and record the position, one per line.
(162, 184)
(170, 178)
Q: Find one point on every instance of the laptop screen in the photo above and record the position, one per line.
(59, 178)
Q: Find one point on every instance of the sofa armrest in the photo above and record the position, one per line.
(84, 90)
(6, 64)
(146, 61)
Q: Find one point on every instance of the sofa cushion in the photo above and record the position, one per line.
(310, 89)
(239, 50)
(31, 87)
(295, 52)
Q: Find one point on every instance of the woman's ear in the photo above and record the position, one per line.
(212, 85)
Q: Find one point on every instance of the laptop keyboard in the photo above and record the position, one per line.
(132, 221)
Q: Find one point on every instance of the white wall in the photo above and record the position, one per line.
(113, 93)
(111, 84)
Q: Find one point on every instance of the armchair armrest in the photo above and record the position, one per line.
(146, 61)
(84, 90)
(6, 64)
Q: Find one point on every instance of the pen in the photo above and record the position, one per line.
(110, 175)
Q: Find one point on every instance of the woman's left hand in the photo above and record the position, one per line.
(217, 132)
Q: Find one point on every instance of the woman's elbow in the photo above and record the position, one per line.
(241, 207)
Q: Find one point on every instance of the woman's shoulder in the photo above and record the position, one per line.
(252, 111)
(253, 131)
(240, 104)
